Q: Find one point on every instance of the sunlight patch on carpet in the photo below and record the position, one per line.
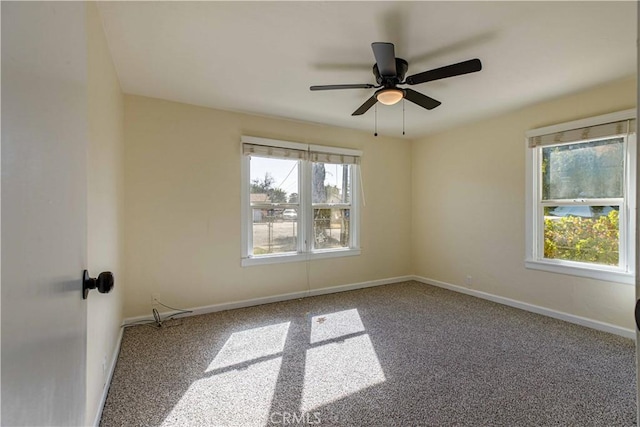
(238, 397)
(252, 344)
(335, 325)
(338, 368)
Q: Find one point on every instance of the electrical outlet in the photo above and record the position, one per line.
(155, 298)
(467, 281)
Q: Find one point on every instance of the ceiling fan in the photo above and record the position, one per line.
(389, 72)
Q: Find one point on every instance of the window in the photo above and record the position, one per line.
(299, 201)
(581, 197)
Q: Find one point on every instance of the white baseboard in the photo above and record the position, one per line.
(107, 383)
(583, 321)
(579, 320)
(277, 298)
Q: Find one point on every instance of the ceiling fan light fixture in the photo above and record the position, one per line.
(390, 96)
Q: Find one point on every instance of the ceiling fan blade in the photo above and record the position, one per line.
(420, 99)
(364, 107)
(465, 67)
(353, 86)
(385, 58)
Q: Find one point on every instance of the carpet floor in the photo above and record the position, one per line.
(405, 354)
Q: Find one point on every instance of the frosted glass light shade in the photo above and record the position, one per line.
(390, 96)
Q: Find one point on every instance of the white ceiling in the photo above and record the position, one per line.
(261, 57)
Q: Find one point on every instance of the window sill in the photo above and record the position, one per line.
(604, 274)
(298, 257)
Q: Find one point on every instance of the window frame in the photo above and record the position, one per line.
(305, 248)
(534, 228)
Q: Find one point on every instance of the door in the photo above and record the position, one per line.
(637, 269)
(44, 213)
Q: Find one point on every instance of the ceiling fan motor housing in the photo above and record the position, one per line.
(389, 81)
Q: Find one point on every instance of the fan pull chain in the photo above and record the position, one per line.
(375, 133)
(403, 116)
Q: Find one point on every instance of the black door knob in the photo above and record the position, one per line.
(103, 283)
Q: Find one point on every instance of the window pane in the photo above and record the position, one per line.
(272, 233)
(585, 170)
(274, 180)
(582, 233)
(331, 183)
(331, 228)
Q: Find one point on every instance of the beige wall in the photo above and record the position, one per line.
(105, 208)
(182, 207)
(469, 209)
(442, 207)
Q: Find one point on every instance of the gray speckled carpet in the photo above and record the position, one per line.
(406, 354)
